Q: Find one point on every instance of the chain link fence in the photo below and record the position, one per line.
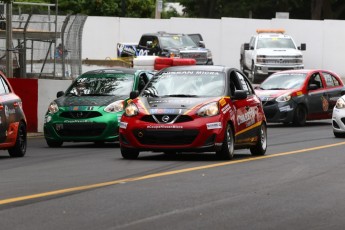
(44, 44)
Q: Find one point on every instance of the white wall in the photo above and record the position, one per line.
(47, 90)
(222, 36)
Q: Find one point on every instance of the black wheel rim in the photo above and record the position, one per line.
(22, 139)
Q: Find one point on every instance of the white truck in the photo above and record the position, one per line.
(270, 51)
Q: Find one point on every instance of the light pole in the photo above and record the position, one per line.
(9, 48)
(159, 8)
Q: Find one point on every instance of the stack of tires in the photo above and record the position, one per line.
(144, 62)
(164, 62)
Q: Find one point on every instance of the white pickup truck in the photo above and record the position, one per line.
(270, 51)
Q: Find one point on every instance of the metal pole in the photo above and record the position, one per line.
(159, 8)
(9, 48)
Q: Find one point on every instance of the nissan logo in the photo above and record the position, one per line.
(165, 118)
(79, 114)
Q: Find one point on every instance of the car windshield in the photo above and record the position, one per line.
(176, 41)
(186, 84)
(284, 43)
(284, 81)
(96, 85)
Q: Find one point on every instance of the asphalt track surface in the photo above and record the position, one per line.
(298, 184)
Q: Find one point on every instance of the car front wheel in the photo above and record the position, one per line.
(227, 150)
(129, 153)
(260, 148)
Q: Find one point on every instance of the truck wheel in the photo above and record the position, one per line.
(251, 75)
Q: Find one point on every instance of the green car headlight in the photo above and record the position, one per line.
(53, 107)
(131, 110)
(114, 107)
(209, 110)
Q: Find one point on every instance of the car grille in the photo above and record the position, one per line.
(165, 137)
(159, 118)
(80, 129)
(200, 58)
(80, 114)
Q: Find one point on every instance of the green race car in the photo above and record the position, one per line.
(90, 109)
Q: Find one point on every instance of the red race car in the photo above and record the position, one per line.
(300, 95)
(194, 109)
(12, 120)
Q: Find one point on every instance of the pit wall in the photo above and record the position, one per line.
(36, 96)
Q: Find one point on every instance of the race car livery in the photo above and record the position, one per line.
(90, 109)
(13, 134)
(194, 109)
(300, 95)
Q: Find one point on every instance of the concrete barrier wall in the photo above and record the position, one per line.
(223, 36)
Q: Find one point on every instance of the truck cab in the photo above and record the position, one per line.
(270, 51)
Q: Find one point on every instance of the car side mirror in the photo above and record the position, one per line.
(303, 47)
(201, 44)
(60, 94)
(240, 95)
(246, 46)
(313, 87)
(134, 94)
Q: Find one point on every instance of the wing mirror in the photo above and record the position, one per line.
(240, 95)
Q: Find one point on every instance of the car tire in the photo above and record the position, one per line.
(300, 116)
(339, 135)
(129, 153)
(54, 144)
(260, 148)
(19, 149)
(228, 146)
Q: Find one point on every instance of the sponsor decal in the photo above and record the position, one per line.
(285, 108)
(172, 101)
(226, 108)
(215, 125)
(165, 111)
(299, 93)
(222, 102)
(77, 121)
(248, 117)
(325, 104)
(89, 108)
(123, 125)
(164, 127)
(191, 73)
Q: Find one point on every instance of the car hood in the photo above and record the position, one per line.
(271, 94)
(87, 100)
(173, 104)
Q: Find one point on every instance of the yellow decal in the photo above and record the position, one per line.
(222, 102)
(299, 93)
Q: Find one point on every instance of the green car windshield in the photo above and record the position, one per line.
(186, 84)
(284, 81)
(116, 84)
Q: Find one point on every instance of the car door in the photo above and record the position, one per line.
(334, 89)
(5, 108)
(246, 110)
(317, 98)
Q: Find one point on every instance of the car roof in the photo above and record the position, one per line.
(218, 68)
(163, 33)
(305, 71)
(112, 70)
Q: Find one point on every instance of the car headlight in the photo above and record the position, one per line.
(209, 110)
(209, 54)
(340, 103)
(53, 107)
(284, 98)
(131, 110)
(114, 107)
